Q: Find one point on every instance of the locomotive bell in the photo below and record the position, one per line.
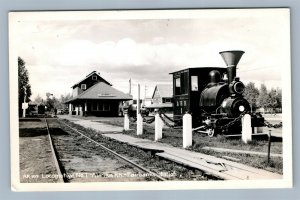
(231, 58)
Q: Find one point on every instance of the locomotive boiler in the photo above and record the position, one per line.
(214, 97)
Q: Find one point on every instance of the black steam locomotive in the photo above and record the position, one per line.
(214, 97)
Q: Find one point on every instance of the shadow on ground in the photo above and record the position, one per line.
(35, 132)
(32, 132)
(29, 120)
(57, 131)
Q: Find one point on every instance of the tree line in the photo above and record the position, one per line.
(269, 100)
(51, 102)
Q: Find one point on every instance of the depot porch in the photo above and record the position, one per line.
(104, 108)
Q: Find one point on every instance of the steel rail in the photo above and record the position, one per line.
(59, 173)
(116, 154)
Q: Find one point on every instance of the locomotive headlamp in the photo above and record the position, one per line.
(241, 108)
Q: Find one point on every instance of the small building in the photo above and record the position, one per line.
(94, 96)
(35, 109)
(162, 97)
(147, 101)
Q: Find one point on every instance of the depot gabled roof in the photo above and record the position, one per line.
(101, 91)
(89, 75)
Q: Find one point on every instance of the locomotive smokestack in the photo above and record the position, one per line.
(231, 59)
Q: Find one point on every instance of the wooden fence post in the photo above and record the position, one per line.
(187, 136)
(126, 122)
(246, 129)
(139, 122)
(159, 124)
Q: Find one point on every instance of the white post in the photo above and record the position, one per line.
(24, 108)
(80, 110)
(85, 108)
(187, 135)
(126, 122)
(139, 123)
(246, 129)
(159, 124)
(138, 101)
(24, 111)
(70, 109)
(76, 110)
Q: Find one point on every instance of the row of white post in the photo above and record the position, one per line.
(159, 124)
(187, 136)
(187, 130)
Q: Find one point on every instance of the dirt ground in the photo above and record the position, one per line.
(36, 161)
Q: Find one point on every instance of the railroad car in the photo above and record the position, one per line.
(213, 96)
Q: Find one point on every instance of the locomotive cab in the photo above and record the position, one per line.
(188, 85)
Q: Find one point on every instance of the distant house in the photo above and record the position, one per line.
(147, 101)
(162, 94)
(95, 96)
(35, 108)
(162, 97)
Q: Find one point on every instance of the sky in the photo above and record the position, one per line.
(61, 49)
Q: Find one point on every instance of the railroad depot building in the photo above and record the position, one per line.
(94, 96)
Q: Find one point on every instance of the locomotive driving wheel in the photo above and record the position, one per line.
(211, 132)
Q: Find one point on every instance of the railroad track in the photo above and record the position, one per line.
(54, 155)
(124, 159)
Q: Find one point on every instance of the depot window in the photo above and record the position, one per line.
(94, 106)
(99, 106)
(167, 100)
(106, 107)
(83, 86)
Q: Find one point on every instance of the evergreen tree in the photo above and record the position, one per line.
(24, 86)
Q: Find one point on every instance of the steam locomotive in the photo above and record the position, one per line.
(214, 97)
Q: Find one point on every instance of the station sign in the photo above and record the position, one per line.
(24, 105)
